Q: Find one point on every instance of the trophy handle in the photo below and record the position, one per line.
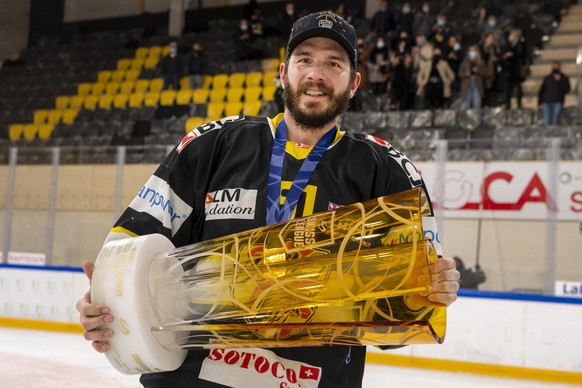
(123, 273)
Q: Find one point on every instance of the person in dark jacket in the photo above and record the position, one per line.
(171, 68)
(515, 62)
(383, 22)
(551, 94)
(197, 66)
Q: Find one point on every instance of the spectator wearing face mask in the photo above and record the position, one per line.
(405, 19)
(378, 67)
(472, 73)
(423, 21)
(491, 55)
(490, 25)
(286, 19)
(434, 79)
(551, 95)
(243, 41)
(440, 33)
(171, 68)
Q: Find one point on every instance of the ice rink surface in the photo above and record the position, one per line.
(31, 358)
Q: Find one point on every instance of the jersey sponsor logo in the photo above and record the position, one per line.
(158, 200)
(303, 146)
(378, 141)
(240, 368)
(205, 128)
(231, 204)
(333, 206)
(411, 171)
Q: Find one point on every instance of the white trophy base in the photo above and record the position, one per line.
(125, 273)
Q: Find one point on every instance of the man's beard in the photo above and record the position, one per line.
(338, 104)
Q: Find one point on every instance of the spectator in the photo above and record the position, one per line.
(171, 68)
(434, 80)
(257, 24)
(423, 21)
(378, 67)
(551, 95)
(402, 44)
(286, 19)
(470, 278)
(472, 74)
(243, 41)
(454, 56)
(402, 85)
(197, 66)
(440, 33)
(405, 20)
(491, 55)
(490, 25)
(515, 62)
(383, 21)
(360, 95)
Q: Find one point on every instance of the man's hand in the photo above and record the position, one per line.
(93, 316)
(446, 283)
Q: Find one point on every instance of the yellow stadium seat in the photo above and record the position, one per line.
(155, 52)
(217, 94)
(193, 123)
(269, 77)
(69, 116)
(215, 111)
(220, 81)
(123, 64)
(184, 97)
(136, 100)
(105, 101)
(282, 53)
(76, 102)
(151, 62)
(233, 108)
(132, 74)
(55, 116)
(253, 93)
(142, 85)
(90, 102)
(40, 116)
(253, 79)
(30, 131)
(112, 88)
(252, 108)
(45, 130)
(236, 80)
(137, 64)
(167, 97)
(103, 76)
(62, 102)
(184, 83)
(234, 94)
(141, 52)
(206, 81)
(120, 101)
(269, 93)
(97, 88)
(200, 96)
(15, 131)
(127, 87)
(151, 99)
(156, 85)
(83, 89)
(118, 76)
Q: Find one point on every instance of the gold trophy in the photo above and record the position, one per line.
(357, 275)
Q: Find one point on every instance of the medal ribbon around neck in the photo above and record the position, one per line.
(275, 211)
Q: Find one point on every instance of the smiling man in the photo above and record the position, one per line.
(241, 173)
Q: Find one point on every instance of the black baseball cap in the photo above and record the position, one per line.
(325, 24)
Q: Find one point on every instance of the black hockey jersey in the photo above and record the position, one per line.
(214, 183)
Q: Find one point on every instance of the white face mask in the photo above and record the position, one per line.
(425, 8)
(405, 9)
(491, 23)
(473, 54)
(380, 44)
(441, 22)
(457, 46)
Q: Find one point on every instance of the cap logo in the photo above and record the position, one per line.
(325, 23)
